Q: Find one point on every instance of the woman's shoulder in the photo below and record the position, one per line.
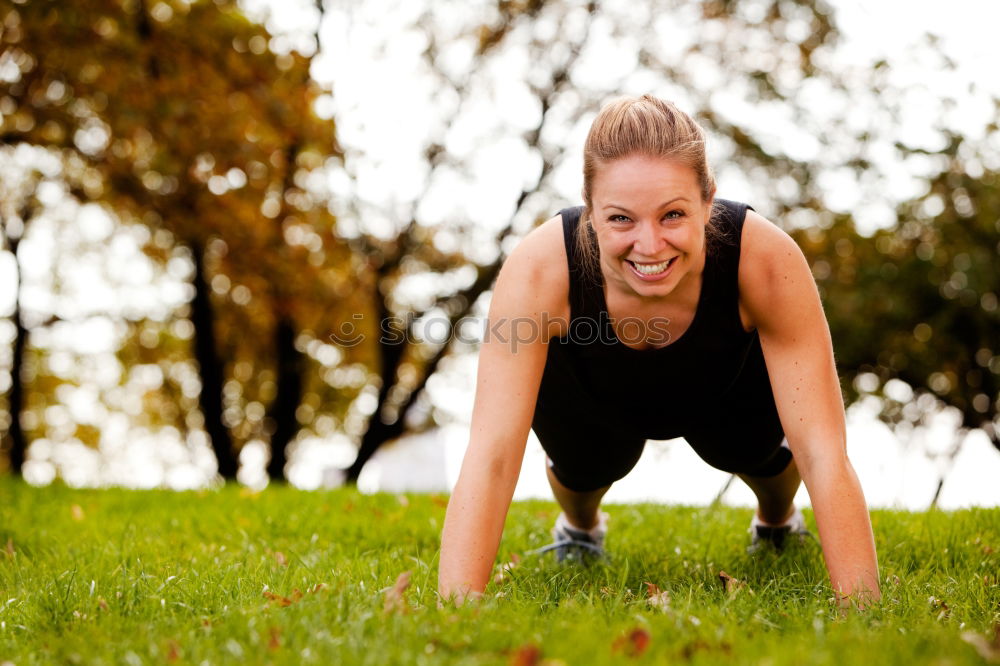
(764, 247)
(768, 258)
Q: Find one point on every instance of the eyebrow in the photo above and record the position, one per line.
(663, 205)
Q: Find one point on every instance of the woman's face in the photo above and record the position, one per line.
(650, 223)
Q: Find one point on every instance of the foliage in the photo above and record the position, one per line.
(916, 305)
(177, 116)
(286, 576)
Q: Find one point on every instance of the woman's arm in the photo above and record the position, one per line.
(779, 293)
(524, 313)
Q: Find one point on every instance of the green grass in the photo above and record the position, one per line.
(118, 576)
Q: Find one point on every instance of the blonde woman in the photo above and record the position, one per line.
(655, 311)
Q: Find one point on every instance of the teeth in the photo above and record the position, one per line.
(652, 269)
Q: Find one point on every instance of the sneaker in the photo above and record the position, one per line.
(572, 542)
(777, 535)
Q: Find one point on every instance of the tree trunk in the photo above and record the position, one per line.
(379, 432)
(291, 371)
(210, 369)
(15, 398)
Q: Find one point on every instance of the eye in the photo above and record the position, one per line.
(674, 215)
(618, 218)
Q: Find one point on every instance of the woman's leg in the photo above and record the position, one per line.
(775, 493)
(580, 507)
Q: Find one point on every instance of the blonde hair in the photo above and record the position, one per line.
(640, 126)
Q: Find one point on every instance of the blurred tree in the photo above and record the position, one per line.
(189, 124)
(406, 358)
(914, 308)
(17, 210)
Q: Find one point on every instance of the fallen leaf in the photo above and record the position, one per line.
(394, 600)
(173, 651)
(317, 587)
(274, 640)
(634, 643)
(76, 511)
(731, 585)
(282, 600)
(280, 558)
(656, 597)
(526, 655)
(987, 649)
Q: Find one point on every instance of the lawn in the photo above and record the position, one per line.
(287, 576)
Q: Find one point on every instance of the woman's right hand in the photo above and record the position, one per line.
(530, 305)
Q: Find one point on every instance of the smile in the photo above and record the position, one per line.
(656, 270)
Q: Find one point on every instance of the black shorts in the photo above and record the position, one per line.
(590, 449)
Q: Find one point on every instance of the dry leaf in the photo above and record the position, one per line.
(9, 548)
(102, 604)
(173, 651)
(280, 600)
(987, 649)
(634, 644)
(657, 598)
(526, 655)
(394, 600)
(731, 585)
(280, 558)
(317, 587)
(77, 512)
(274, 641)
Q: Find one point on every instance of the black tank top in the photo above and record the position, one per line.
(663, 392)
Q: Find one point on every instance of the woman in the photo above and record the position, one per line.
(657, 311)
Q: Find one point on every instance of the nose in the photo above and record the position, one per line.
(650, 239)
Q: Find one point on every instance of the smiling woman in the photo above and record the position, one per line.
(708, 326)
